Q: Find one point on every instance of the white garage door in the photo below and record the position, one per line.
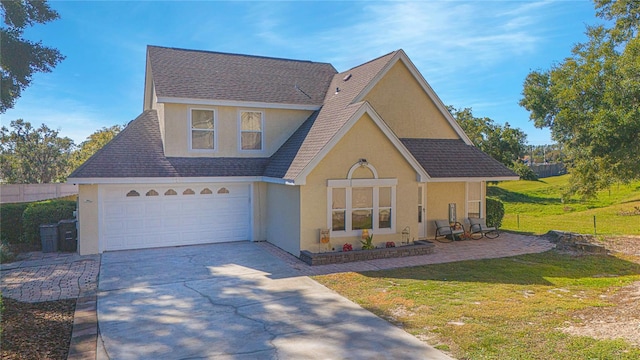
(144, 216)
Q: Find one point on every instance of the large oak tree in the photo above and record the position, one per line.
(31, 155)
(503, 143)
(591, 100)
(19, 57)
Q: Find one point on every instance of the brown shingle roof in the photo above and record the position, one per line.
(209, 75)
(137, 152)
(450, 158)
(312, 136)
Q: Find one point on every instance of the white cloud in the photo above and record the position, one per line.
(441, 37)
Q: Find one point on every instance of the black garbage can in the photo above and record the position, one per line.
(67, 235)
(49, 237)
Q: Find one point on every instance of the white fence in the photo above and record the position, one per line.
(16, 193)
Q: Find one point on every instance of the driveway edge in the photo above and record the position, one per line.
(84, 337)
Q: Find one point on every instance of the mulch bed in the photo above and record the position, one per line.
(36, 330)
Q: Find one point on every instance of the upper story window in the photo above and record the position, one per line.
(251, 130)
(202, 129)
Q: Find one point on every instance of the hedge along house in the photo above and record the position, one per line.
(235, 147)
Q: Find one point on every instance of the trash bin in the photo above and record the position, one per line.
(49, 237)
(67, 235)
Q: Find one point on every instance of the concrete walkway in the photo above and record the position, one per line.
(507, 244)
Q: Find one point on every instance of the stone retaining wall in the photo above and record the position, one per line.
(419, 248)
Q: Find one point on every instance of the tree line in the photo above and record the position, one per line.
(33, 155)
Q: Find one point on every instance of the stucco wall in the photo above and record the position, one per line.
(406, 108)
(439, 195)
(88, 219)
(364, 140)
(259, 198)
(279, 124)
(159, 107)
(283, 217)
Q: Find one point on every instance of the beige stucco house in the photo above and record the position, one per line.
(235, 147)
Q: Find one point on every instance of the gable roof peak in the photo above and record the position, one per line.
(369, 62)
(233, 54)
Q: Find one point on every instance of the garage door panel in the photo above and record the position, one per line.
(153, 224)
(153, 208)
(130, 222)
(134, 209)
(112, 209)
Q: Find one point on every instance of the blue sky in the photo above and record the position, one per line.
(474, 54)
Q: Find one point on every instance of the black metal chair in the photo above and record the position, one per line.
(444, 229)
(479, 227)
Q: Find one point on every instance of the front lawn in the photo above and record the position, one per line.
(509, 308)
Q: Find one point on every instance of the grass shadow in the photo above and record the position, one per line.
(538, 269)
(515, 197)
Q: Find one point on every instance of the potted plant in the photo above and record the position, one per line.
(367, 243)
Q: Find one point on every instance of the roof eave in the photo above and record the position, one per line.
(162, 180)
(236, 103)
(473, 179)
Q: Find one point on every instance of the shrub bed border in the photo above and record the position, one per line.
(419, 247)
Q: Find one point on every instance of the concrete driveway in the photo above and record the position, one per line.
(234, 301)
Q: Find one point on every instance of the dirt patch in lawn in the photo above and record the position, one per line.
(620, 321)
(36, 330)
(623, 319)
(629, 245)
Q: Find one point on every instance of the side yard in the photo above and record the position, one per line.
(537, 207)
(554, 305)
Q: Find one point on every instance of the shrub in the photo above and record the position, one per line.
(6, 255)
(525, 172)
(495, 212)
(11, 222)
(44, 212)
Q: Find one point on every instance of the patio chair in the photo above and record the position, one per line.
(479, 227)
(444, 229)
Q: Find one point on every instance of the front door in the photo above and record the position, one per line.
(422, 213)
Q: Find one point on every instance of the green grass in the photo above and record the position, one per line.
(538, 206)
(509, 308)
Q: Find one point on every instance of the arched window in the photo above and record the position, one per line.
(223, 191)
(151, 193)
(133, 193)
(361, 202)
(206, 191)
(170, 192)
(188, 192)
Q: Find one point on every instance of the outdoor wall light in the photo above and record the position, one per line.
(363, 162)
(405, 235)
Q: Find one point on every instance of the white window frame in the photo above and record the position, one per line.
(215, 130)
(479, 201)
(240, 131)
(348, 185)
